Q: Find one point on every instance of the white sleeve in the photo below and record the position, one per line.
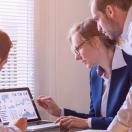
(116, 126)
(130, 38)
(126, 42)
(13, 128)
(124, 115)
(62, 112)
(9, 129)
(90, 122)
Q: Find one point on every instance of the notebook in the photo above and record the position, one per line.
(18, 102)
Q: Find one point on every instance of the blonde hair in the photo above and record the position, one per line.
(88, 29)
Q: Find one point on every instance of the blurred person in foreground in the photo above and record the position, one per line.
(5, 45)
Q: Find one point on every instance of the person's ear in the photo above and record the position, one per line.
(109, 11)
(96, 42)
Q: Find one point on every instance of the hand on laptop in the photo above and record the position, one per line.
(68, 122)
(22, 124)
(49, 105)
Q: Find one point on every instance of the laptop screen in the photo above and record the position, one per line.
(16, 103)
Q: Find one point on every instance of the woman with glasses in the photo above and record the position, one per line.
(110, 78)
(5, 45)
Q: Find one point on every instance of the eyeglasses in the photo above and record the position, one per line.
(76, 49)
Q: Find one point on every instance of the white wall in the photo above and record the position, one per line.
(59, 74)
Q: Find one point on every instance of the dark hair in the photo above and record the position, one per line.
(5, 45)
(122, 4)
(88, 29)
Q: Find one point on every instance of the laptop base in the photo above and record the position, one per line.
(45, 126)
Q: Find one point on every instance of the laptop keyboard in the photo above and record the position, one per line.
(47, 126)
(38, 122)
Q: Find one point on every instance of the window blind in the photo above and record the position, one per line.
(16, 18)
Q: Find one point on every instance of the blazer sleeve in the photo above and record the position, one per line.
(68, 112)
(101, 122)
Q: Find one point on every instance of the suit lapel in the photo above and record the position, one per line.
(114, 85)
(98, 94)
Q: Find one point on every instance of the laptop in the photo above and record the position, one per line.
(18, 102)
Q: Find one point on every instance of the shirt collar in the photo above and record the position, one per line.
(127, 23)
(118, 56)
(100, 70)
(118, 59)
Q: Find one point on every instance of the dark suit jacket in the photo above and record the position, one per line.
(121, 80)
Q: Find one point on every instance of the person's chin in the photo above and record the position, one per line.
(89, 66)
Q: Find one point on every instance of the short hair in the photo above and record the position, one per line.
(88, 29)
(5, 45)
(122, 4)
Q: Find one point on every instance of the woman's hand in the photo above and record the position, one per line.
(68, 122)
(22, 124)
(49, 105)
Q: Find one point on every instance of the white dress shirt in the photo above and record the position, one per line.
(123, 120)
(9, 129)
(125, 40)
(106, 86)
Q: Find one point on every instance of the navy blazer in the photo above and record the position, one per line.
(121, 80)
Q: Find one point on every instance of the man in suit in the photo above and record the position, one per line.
(114, 18)
(109, 81)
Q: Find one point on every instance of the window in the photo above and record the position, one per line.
(16, 18)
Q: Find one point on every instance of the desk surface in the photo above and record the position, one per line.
(92, 131)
